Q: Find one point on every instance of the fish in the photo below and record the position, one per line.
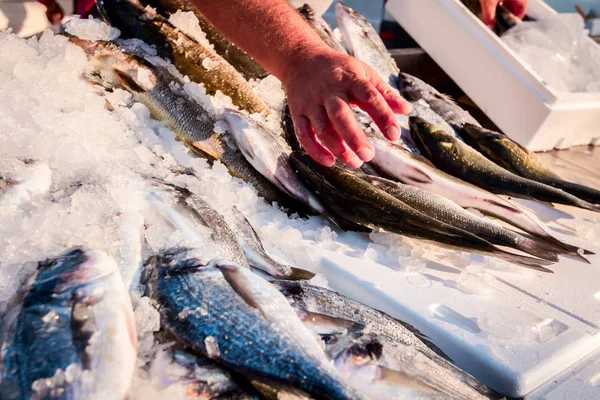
(186, 211)
(362, 41)
(70, 333)
(327, 313)
(389, 370)
(165, 97)
(397, 163)
(269, 155)
(289, 131)
(242, 62)
(414, 90)
(451, 213)
(510, 155)
(321, 27)
(199, 63)
(256, 254)
(201, 377)
(356, 200)
(239, 320)
(462, 161)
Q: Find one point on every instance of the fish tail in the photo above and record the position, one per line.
(524, 261)
(585, 193)
(537, 249)
(299, 274)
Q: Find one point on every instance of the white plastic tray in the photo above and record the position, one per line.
(489, 72)
(515, 330)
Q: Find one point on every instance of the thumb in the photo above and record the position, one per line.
(488, 12)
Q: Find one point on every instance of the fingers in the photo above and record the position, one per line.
(331, 139)
(517, 7)
(308, 139)
(372, 101)
(488, 12)
(391, 96)
(343, 121)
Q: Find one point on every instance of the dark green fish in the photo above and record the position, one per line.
(71, 334)
(235, 56)
(451, 213)
(356, 200)
(399, 164)
(191, 58)
(241, 321)
(509, 154)
(462, 161)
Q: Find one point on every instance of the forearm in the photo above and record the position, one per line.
(270, 31)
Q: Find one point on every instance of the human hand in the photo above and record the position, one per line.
(321, 93)
(488, 9)
(54, 13)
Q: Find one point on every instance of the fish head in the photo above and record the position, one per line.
(409, 89)
(352, 25)
(490, 143)
(172, 261)
(430, 140)
(307, 12)
(73, 269)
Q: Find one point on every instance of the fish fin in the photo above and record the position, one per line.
(418, 176)
(538, 249)
(202, 150)
(239, 283)
(127, 82)
(524, 261)
(425, 339)
(299, 274)
(402, 378)
(588, 252)
(503, 205)
(242, 218)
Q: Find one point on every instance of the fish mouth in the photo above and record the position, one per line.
(74, 268)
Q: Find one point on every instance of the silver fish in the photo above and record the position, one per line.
(269, 155)
(363, 42)
(388, 370)
(329, 313)
(321, 27)
(201, 377)
(256, 254)
(72, 334)
(186, 212)
(239, 320)
(165, 97)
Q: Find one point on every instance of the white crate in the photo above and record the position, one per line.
(511, 95)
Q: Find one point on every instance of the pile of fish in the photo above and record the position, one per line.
(238, 323)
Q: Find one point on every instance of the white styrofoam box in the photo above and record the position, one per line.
(516, 330)
(583, 382)
(490, 73)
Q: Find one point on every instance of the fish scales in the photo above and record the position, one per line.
(229, 328)
(235, 56)
(135, 21)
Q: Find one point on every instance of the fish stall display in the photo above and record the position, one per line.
(163, 234)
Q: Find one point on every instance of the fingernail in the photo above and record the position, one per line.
(365, 154)
(392, 132)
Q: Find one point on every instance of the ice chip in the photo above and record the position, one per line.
(90, 29)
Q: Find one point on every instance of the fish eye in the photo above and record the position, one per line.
(329, 339)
